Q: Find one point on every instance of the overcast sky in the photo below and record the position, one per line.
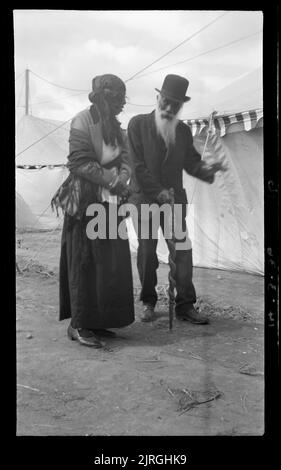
(68, 48)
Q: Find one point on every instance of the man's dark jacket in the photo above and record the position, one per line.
(154, 167)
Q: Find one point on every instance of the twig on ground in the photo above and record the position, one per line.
(29, 388)
(188, 393)
(44, 272)
(243, 398)
(200, 402)
(196, 357)
(250, 370)
(45, 425)
(149, 360)
(170, 391)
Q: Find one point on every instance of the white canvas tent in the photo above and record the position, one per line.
(225, 220)
(41, 149)
(25, 220)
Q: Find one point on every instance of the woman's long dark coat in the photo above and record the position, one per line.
(96, 286)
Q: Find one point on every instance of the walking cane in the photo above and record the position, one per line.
(172, 261)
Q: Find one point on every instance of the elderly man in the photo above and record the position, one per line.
(161, 147)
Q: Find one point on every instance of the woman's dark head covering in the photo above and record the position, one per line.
(108, 85)
(108, 91)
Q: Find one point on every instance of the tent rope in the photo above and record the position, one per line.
(177, 46)
(65, 98)
(44, 136)
(223, 46)
(58, 86)
(19, 75)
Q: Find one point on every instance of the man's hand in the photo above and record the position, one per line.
(126, 194)
(164, 197)
(208, 171)
(218, 166)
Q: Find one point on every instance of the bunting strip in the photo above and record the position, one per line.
(39, 167)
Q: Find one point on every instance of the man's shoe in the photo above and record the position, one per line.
(193, 317)
(148, 313)
(105, 333)
(85, 337)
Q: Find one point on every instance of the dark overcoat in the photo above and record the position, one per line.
(156, 167)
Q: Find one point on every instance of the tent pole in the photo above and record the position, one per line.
(26, 91)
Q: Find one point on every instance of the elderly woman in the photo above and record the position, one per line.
(96, 289)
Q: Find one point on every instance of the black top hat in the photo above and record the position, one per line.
(174, 87)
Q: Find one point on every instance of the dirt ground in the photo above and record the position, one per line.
(149, 381)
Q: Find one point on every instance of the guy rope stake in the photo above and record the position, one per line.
(172, 260)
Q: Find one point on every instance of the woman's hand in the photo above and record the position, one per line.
(110, 176)
(119, 185)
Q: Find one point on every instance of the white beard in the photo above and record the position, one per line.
(166, 128)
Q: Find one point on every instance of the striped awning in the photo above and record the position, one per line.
(248, 119)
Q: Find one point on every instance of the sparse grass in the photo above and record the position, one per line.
(203, 305)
